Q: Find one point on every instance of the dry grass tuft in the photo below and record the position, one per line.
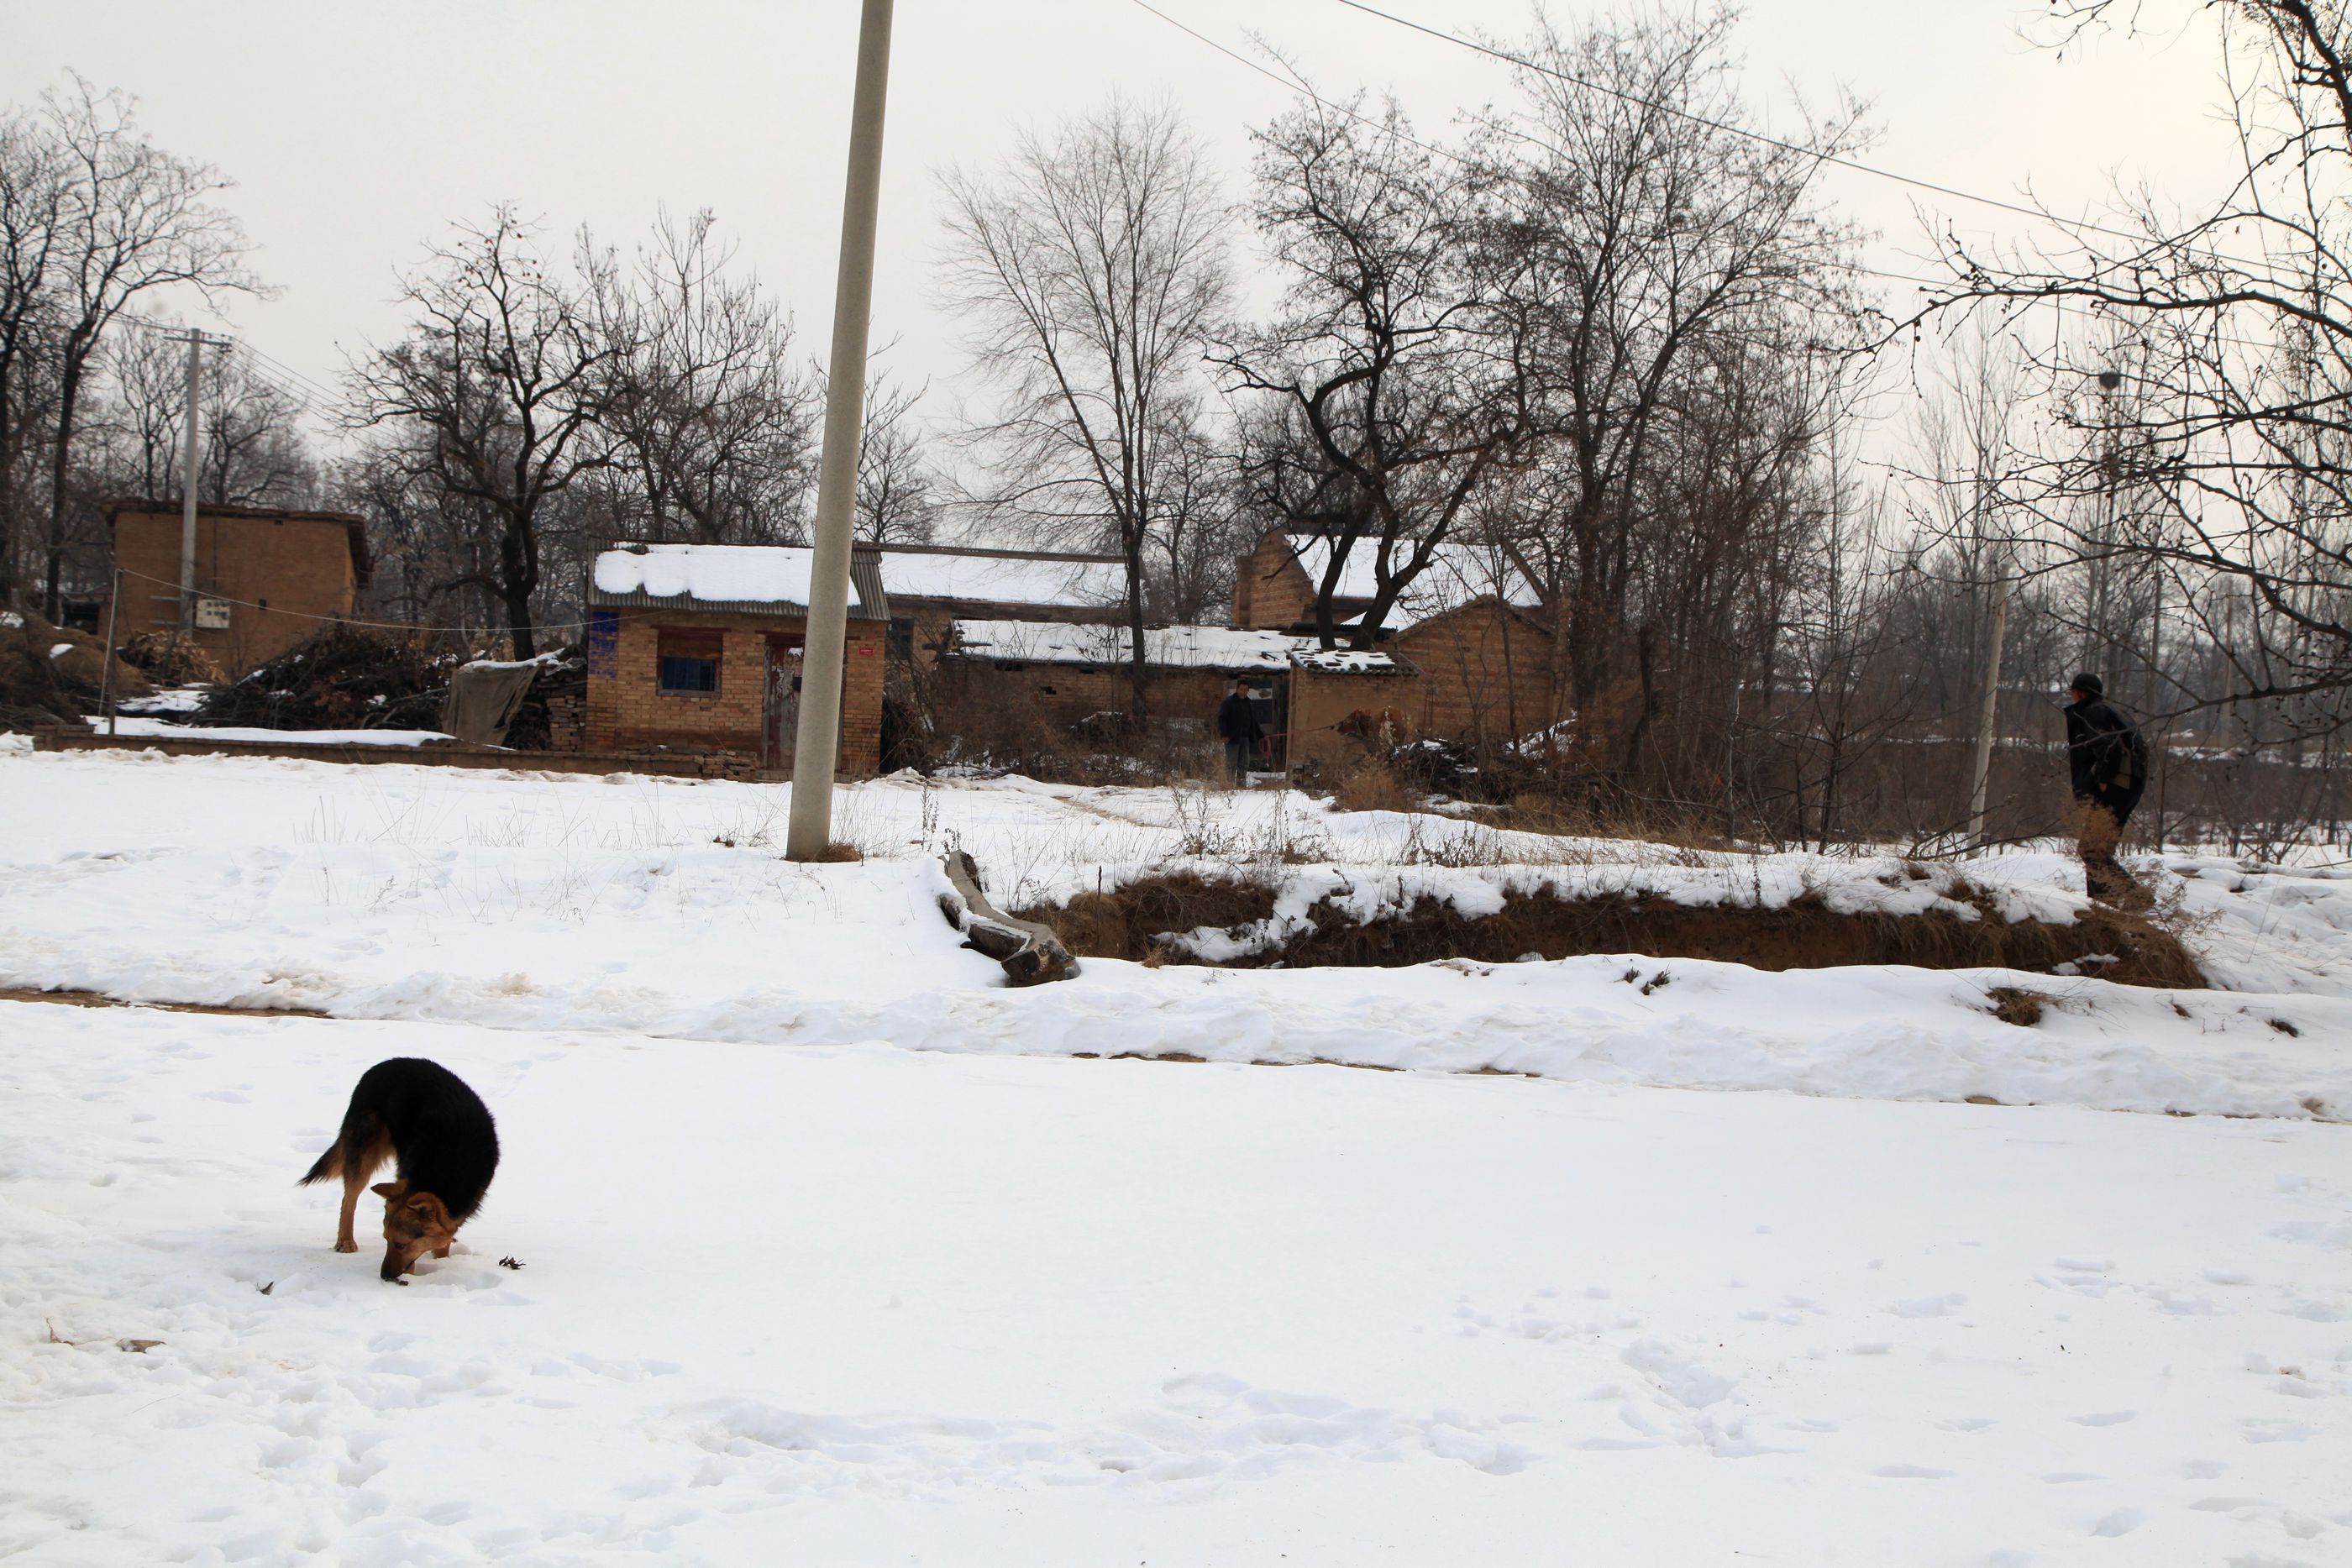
(1372, 787)
(2014, 1004)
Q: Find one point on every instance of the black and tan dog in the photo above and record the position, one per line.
(421, 1114)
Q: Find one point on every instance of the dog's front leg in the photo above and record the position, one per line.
(345, 1240)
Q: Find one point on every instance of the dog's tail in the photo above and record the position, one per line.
(330, 1164)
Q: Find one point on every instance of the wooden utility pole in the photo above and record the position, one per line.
(816, 749)
(1991, 715)
(106, 676)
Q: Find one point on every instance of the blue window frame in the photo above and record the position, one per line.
(688, 662)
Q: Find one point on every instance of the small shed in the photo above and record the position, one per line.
(697, 649)
(267, 578)
(1345, 699)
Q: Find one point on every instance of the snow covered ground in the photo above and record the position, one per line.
(663, 907)
(795, 1291)
(166, 729)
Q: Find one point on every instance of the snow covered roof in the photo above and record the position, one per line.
(1456, 575)
(776, 578)
(758, 578)
(1170, 647)
(1350, 662)
(1003, 577)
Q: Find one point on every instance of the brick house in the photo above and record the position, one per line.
(266, 579)
(1465, 623)
(695, 648)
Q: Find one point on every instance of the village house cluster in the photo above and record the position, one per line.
(695, 651)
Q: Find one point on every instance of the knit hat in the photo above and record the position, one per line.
(2087, 682)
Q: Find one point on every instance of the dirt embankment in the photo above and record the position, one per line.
(1136, 921)
(54, 675)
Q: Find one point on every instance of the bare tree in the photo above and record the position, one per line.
(898, 498)
(2204, 428)
(1650, 241)
(33, 185)
(715, 425)
(254, 454)
(1396, 390)
(1088, 265)
(494, 400)
(134, 219)
(150, 384)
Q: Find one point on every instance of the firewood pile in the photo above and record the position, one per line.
(170, 661)
(564, 676)
(343, 678)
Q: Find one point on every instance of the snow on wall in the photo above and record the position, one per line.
(1171, 647)
(165, 729)
(1002, 579)
(1344, 661)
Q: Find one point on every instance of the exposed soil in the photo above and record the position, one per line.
(95, 1000)
(1135, 921)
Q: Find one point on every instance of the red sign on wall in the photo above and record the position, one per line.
(865, 650)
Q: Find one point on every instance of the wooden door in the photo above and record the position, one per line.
(781, 709)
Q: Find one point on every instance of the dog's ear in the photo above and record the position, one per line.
(389, 1190)
(430, 1206)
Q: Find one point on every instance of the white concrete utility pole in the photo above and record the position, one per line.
(190, 474)
(816, 746)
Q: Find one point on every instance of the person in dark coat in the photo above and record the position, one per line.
(2108, 762)
(1237, 726)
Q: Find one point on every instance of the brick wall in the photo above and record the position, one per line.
(1271, 593)
(1065, 693)
(1486, 674)
(1320, 702)
(628, 713)
(299, 566)
(567, 722)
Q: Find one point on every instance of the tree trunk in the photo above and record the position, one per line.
(69, 394)
(1139, 682)
(518, 577)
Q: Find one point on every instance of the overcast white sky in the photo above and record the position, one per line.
(356, 132)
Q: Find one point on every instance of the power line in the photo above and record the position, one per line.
(353, 619)
(1861, 269)
(316, 385)
(2037, 214)
(1293, 84)
(1296, 84)
(2040, 215)
(307, 393)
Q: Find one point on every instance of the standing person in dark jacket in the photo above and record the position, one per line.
(1237, 726)
(2109, 761)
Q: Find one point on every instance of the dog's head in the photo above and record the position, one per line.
(413, 1225)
